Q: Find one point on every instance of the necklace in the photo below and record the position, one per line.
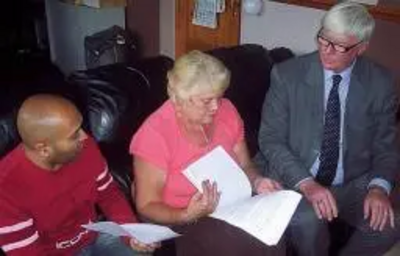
(196, 134)
(205, 137)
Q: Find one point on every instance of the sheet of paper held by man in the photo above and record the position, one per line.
(264, 216)
(143, 232)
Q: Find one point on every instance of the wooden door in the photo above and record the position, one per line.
(190, 37)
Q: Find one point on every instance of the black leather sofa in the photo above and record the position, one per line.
(115, 99)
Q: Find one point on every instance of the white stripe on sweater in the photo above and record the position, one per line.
(20, 244)
(103, 174)
(16, 227)
(101, 188)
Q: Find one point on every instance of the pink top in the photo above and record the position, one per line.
(160, 142)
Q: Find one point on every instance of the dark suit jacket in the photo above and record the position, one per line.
(292, 121)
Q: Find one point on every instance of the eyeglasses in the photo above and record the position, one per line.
(336, 47)
(206, 102)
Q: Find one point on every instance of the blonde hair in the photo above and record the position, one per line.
(197, 72)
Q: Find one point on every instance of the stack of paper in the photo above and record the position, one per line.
(264, 216)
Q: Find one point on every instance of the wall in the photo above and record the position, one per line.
(384, 46)
(142, 19)
(293, 27)
(265, 29)
(68, 25)
(167, 27)
(282, 25)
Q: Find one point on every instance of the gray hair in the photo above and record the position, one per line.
(197, 72)
(350, 19)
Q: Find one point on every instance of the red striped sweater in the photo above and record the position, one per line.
(41, 212)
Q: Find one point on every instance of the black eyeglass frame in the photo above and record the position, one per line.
(325, 42)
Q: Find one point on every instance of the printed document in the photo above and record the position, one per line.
(143, 232)
(264, 216)
(218, 166)
(205, 13)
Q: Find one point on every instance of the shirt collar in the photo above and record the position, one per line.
(345, 74)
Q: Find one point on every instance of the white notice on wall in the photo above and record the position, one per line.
(205, 13)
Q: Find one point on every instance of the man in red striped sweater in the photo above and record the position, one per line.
(51, 183)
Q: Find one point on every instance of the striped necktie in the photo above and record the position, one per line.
(329, 155)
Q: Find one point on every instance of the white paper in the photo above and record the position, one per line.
(218, 166)
(264, 216)
(205, 13)
(143, 232)
(220, 6)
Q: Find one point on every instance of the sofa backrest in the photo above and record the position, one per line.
(16, 85)
(250, 67)
(115, 100)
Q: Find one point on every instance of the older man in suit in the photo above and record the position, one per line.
(328, 130)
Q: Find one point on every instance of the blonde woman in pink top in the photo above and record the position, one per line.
(194, 120)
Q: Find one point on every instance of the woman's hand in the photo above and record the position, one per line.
(265, 185)
(202, 204)
(141, 247)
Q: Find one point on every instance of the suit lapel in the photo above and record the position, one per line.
(315, 92)
(354, 101)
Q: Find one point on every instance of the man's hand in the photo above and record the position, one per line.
(141, 247)
(378, 208)
(321, 199)
(202, 204)
(264, 185)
